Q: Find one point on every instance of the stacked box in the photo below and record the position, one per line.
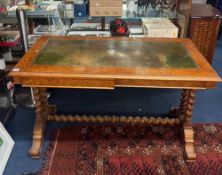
(81, 8)
(105, 7)
(159, 27)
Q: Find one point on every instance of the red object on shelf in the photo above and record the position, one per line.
(119, 27)
(10, 43)
(121, 30)
(7, 44)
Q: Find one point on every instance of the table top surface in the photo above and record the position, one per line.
(114, 53)
(115, 58)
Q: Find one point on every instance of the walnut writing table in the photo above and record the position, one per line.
(106, 63)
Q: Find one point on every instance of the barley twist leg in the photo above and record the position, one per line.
(186, 109)
(41, 112)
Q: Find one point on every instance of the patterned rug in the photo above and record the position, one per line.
(132, 150)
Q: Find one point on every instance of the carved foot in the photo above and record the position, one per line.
(189, 143)
(35, 150)
(37, 139)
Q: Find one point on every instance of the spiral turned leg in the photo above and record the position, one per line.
(183, 102)
(41, 112)
(178, 111)
(186, 109)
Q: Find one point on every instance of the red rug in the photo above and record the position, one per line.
(132, 150)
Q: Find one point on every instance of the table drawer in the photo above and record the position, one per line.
(65, 82)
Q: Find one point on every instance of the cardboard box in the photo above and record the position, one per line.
(105, 11)
(154, 20)
(106, 7)
(105, 3)
(163, 28)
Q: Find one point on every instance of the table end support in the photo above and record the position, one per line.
(189, 144)
(185, 114)
(41, 113)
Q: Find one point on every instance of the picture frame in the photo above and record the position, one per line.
(6, 145)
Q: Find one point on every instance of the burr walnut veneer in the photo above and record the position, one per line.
(106, 63)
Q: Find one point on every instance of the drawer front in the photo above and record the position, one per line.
(65, 82)
(105, 11)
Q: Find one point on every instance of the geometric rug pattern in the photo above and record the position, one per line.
(132, 150)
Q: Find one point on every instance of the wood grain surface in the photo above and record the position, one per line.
(203, 76)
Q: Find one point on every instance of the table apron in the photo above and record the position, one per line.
(99, 83)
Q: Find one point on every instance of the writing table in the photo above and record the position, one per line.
(106, 63)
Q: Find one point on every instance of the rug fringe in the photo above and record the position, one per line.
(49, 153)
